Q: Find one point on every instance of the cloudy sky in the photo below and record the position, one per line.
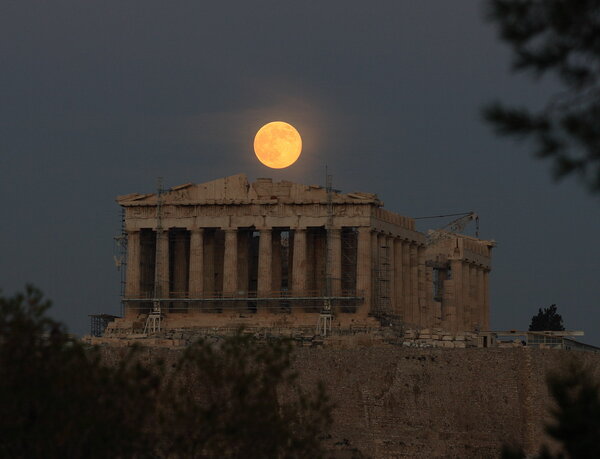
(97, 99)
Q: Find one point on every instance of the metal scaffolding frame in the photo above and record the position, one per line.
(153, 321)
(99, 322)
(120, 258)
(229, 302)
(382, 281)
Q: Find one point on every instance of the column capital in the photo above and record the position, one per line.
(197, 230)
(265, 229)
(230, 230)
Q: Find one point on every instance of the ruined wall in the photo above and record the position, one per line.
(399, 402)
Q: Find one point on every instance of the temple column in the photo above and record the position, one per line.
(414, 284)
(474, 303)
(457, 282)
(162, 264)
(179, 264)
(398, 279)
(467, 298)
(243, 261)
(299, 262)
(265, 262)
(335, 258)
(374, 269)
(132, 285)
(480, 299)
(406, 292)
(363, 268)
(486, 300)
(392, 273)
(209, 286)
(424, 305)
(196, 263)
(276, 263)
(230, 262)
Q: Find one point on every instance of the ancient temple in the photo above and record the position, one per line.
(231, 252)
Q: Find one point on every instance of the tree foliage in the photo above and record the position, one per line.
(575, 415)
(559, 38)
(236, 398)
(547, 319)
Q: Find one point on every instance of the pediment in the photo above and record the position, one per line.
(236, 189)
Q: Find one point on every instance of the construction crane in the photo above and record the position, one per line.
(455, 226)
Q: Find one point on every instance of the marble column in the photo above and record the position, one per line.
(132, 284)
(467, 298)
(243, 261)
(392, 273)
(398, 279)
(162, 264)
(180, 267)
(474, 303)
(486, 300)
(299, 263)
(209, 286)
(276, 268)
(196, 263)
(363, 268)
(335, 258)
(457, 283)
(414, 283)
(230, 271)
(265, 262)
(480, 299)
(424, 305)
(406, 285)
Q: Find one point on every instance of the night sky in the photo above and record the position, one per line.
(98, 99)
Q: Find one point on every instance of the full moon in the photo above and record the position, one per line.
(277, 145)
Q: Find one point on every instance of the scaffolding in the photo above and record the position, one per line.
(326, 315)
(153, 321)
(382, 281)
(349, 236)
(99, 322)
(120, 258)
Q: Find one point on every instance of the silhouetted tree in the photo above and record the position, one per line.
(235, 398)
(547, 319)
(56, 399)
(576, 415)
(559, 38)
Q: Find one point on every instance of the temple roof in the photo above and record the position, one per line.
(236, 189)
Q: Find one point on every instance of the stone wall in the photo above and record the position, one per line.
(394, 401)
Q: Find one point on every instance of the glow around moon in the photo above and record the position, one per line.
(277, 145)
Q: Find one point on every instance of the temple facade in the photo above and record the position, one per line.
(230, 252)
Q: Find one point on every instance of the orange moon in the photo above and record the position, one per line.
(277, 145)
